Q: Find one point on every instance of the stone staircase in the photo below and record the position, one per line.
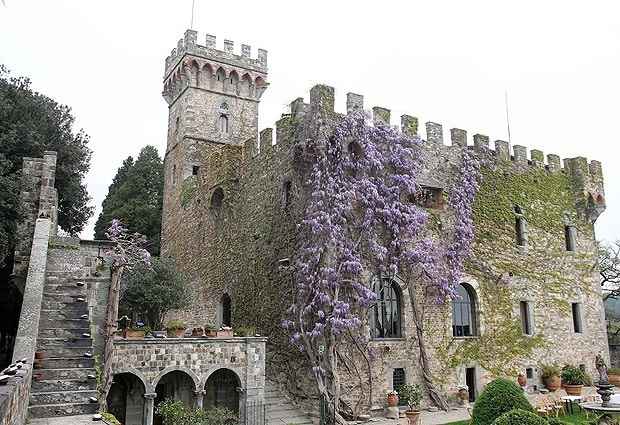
(64, 381)
(279, 410)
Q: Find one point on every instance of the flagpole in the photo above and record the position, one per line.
(507, 116)
(191, 25)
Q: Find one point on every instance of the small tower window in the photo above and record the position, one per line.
(225, 305)
(570, 236)
(223, 124)
(520, 226)
(176, 126)
(217, 199)
(429, 197)
(526, 317)
(174, 174)
(195, 170)
(577, 325)
(286, 194)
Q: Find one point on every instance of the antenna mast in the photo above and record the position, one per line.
(191, 25)
(507, 116)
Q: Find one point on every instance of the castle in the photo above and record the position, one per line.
(233, 199)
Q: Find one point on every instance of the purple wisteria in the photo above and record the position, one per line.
(361, 222)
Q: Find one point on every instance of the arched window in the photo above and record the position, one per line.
(226, 307)
(464, 312)
(286, 194)
(223, 124)
(217, 199)
(385, 314)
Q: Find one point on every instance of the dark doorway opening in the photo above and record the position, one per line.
(222, 390)
(470, 381)
(10, 308)
(175, 385)
(126, 399)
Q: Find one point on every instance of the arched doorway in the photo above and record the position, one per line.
(222, 390)
(174, 385)
(126, 399)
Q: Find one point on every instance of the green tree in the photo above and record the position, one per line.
(135, 197)
(152, 291)
(31, 123)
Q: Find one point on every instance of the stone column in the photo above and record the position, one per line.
(198, 398)
(149, 408)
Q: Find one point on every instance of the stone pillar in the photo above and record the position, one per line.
(149, 408)
(198, 398)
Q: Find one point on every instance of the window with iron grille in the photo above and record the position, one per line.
(386, 314)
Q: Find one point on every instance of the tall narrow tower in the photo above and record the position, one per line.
(213, 98)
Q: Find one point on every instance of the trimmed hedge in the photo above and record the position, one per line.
(499, 396)
(520, 417)
(556, 421)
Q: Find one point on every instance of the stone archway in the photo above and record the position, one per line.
(126, 398)
(174, 385)
(222, 390)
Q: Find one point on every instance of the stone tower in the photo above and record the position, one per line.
(213, 98)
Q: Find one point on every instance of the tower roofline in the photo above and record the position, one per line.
(188, 45)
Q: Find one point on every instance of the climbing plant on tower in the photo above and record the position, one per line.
(359, 225)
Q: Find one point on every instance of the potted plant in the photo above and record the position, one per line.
(522, 380)
(463, 394)
(614, 375)
(225, 332)
(412, 395)
(210, 330)
(197, 332)
(573, 379)
(392, 398)
(137, 332)
(246, 331)
(551, 377)
(176, 328)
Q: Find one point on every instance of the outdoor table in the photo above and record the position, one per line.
(607, 413)
(568, 400)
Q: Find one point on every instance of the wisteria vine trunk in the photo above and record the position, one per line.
(362, 226)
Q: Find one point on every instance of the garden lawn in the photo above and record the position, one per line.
(577, 418)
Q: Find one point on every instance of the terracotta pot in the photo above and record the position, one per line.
(39, 355)
(553, 383)
(463, 394)
(37, 376)
(614, 380)
(134, 334)
(211, 333)
(573, 389)
(197, 332)
(176, 333)
(37, 364)
(522, 380)
(225, 333)
(392, 400)
(413, 416)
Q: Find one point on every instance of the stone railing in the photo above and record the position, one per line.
(14, 397)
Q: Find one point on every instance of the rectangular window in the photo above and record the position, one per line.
(520, 229)
(577, 318)
(526, 318)
(429, 197)
(569, 236)
(529, 373)
(195, 170)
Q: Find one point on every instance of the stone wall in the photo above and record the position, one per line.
(245, 248)
(14, 397)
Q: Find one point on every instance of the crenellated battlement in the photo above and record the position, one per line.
(189, 45)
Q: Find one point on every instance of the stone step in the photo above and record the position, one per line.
(297, 420)
(50, 304)
(72, 373)
(66, 363)
(60, 351)
(45, 343)
(66, 409)
(63, 332)
(41, 386)
(62, 397)
(63, 298)
(281, 410)
(64, 314)
(65, 288)
(45, 323)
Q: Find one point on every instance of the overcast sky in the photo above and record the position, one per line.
(442, 61)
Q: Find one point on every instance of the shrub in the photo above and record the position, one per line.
(410, 394)
(110, 418)
(573, 376)
(520, 417)
(499, 396)
(176, 413)
(556, 421)
(549, 370)
(176, 324)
